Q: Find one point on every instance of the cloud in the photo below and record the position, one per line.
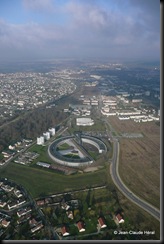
(39, 5)
(86, 14)
(90, 30)
(148, 12)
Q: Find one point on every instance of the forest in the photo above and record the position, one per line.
(30, 125)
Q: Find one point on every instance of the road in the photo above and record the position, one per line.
(121, 186)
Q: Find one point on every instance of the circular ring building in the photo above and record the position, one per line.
(75, 142)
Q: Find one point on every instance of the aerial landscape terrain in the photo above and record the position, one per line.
(80, 128)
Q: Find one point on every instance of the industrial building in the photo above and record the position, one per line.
(84, 121)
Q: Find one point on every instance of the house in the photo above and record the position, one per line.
(23, 218)
(47, 200)
(101, 222)
(22, 212)
(65, 206)
(69, 214)
(5, 223)
(12, 205)
(2, 204)
(21, 201)
(64, 231)
(40, 202)
(37, 227)
(18, 193)
(80, 226)
(32, 222)
(119, 218)
(7, 188)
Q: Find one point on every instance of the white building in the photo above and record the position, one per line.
(84, 121)
(46, 135)
(136, 100)
(40, 140)
(52, 131)
(11, 147)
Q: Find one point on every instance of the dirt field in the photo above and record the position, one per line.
(139, 165)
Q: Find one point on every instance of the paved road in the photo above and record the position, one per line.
(117, 180)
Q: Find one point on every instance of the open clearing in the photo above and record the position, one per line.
(139, 164)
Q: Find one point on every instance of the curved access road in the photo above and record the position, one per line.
(122, 187)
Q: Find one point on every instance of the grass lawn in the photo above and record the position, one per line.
(38, 181)
(91, 225)
(71, 156)
(43, 155)
(1, 156)
(94, 155)
(63, 146)
(38, 149)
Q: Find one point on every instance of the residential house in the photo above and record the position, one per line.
(80, 226)
(24, 211)
(37, 227)
(65, 206)
(32, 222)
(5, 223)
(119, 218)
(2, 204)
(18, 193)
(12, 205)
(64, 231)
(23, 218)
(40, 202)
(69, 214)
(101, 222)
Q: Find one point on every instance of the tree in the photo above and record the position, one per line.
(88, 198)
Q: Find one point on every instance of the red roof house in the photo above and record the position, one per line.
(64, 231)
(119, 218)
(80, 226)
(101, 222)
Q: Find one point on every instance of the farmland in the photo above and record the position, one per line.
(139, 164)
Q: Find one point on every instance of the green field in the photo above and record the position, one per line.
(70, 155)
(63, 146)
(94, 155)
(38, 148)
(38, 181)
(43, 154)
(1, 156)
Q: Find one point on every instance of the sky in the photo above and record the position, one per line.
(50, 29)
